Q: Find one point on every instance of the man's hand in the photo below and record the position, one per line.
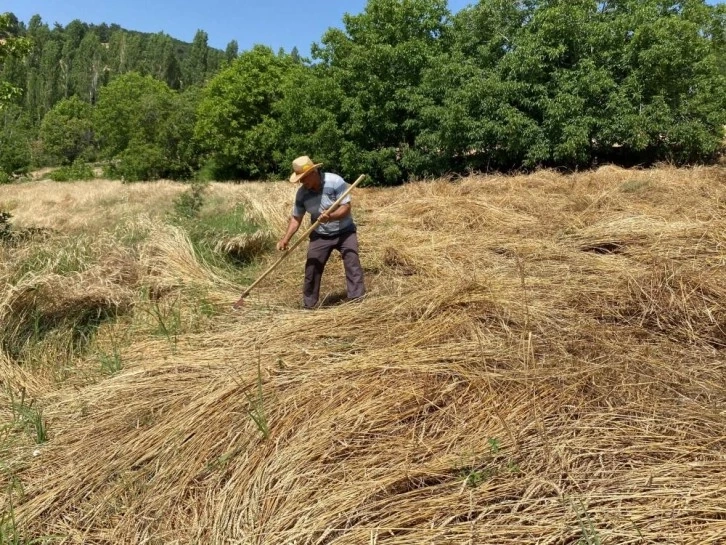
(337, 214)
(282, 245)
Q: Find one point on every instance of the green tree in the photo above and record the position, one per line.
(147, 128)
(131, 107)
(379, 60)
(181, 152)
(718, 35)
(72, 35)
(36, 100)
(198, 61)
(670, 100)
(561, 83)
(308, 117)
(16, 135)
(12, 46)
(172, 73)
(66, 133)
(235, 125)
(295, 55)
(473, 118)
(87, 69)
(232, 51)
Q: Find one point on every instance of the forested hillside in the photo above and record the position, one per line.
(404, 89)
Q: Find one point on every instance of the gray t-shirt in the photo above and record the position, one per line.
(314, 203)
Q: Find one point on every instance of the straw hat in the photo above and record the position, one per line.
(302, 166)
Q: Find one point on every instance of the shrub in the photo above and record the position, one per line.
(140, 161)
(189, 203)
(77, 171)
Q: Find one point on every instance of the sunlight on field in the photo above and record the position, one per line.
(540, 359)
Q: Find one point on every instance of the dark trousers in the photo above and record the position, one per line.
(319, 252)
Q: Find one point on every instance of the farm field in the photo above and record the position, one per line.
(539, 359)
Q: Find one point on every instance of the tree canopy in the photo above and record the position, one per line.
(403, 89)
(12, 47)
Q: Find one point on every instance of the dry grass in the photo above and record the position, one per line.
(76, 207)
(247, 247)
(541, 359)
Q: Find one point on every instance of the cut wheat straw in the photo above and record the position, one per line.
(540, 359)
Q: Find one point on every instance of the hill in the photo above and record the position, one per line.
(540, 359)
(80, 58)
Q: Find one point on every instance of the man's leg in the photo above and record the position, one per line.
(318, 254)
(348, 247)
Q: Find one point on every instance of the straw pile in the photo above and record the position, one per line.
(247, 247)
(540, 359)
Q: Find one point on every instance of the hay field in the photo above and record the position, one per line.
(540, 359)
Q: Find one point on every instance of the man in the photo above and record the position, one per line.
(337, 231)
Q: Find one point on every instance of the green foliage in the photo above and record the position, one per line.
(222, 235)
(77, 171)
(131, 108)
(308, 117)
(110, 363)
(481, 469)
(403, 90)
(198, 63)
(190, 202)
(15, 140)
(208, 171)
(231, 52)
(669, 100)
(181, 150)
(234, 118)
(66, 133)
(140, 161)
(12, 46)
(147, 128)
(378, 60)
(28, 417)
(53, 63)
(555, 84)
(232, 221)
(209, 229)
(167, 316)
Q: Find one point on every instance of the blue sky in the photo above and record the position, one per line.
(276, 23)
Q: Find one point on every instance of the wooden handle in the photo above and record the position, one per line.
(302, 237)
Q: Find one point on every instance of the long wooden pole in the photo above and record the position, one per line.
(300, 239)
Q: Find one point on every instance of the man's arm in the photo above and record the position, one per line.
(338, 214)
(292, 228)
